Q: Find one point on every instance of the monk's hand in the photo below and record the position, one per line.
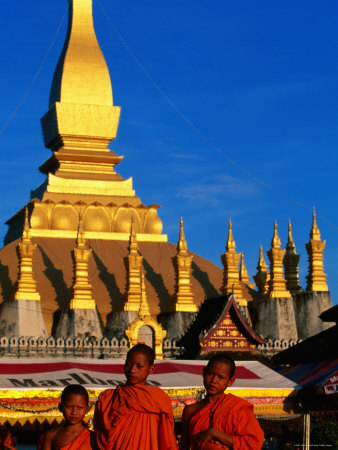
(203, 437)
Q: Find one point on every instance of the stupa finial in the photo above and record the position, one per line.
(26, 233)
(316, 278)
(243, 273)
(262, 276)
(276, 242)
(231, 245)
(261, 261)
(314, 233)
(182, 243)
(291, 262)
(290, 246)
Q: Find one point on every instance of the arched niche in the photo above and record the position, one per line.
(96, 218)
(122, 220)
(146, 335)
(64, 217)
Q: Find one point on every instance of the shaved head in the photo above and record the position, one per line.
(225, 359)
(76, 389)
(145, 350)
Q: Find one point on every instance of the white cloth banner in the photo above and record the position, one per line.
(101, 374)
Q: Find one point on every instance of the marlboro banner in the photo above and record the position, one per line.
(30, 388)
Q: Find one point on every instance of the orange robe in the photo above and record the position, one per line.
(134, 418)
(85, 440)
(233, 416)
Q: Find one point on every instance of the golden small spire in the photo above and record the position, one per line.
(182, 243)
(230, 245)
(261, 262)
(276, 242)
(262, 277)
(134, 281)
(277, 283)
(243, 273)
(82, 289)
(316, 278)
(314, 233)
(26, 287)
(230, 260)
(183, 290)
(290, 246)
(144, 307)
(291, 261)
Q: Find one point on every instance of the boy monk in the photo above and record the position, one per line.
(72, 434)
(135, 416)
(220, 420)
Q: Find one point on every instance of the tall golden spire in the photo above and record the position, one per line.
(144, 307)
(291, 261)
(81, 120)
(316, 278)
(230, 260)
(82, 289)
(134, 282)
(277, 284)
(243, 273)
(81, 75)
(26, 289)
(262, 277)
(183, 291)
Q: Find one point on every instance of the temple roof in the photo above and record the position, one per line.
(212, 312)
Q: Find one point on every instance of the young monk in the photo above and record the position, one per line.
(135, 416)
(220, 420)
(72, 434)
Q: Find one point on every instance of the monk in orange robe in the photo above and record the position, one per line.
(220, 420)
(72, 434)
(135, 416)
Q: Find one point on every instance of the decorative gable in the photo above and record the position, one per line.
(230, 332)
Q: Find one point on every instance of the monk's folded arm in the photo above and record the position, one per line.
(220, 436)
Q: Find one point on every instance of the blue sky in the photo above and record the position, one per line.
(256, 79)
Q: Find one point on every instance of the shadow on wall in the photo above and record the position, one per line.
(204, 281)
(109, 281)
(156, 280)
(55, 276)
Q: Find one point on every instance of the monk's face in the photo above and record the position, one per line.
(217, 378)
(74, 408)
(137, 368)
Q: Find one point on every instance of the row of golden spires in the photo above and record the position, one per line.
(270, 283)
(273, 284)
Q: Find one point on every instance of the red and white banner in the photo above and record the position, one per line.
(101, 374)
